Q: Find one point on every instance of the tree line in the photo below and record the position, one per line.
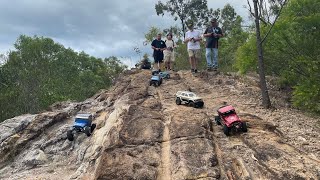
(40, 72)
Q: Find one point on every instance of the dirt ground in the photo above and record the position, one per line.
(142, 134)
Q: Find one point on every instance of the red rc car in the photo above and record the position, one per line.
(228, 118)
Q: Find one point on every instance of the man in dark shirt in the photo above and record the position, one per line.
(158, 46)
(212, 34)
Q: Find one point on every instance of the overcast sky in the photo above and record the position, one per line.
(101, 28)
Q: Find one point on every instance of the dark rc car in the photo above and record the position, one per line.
(228, 118)
(189, 98)
(82, 124)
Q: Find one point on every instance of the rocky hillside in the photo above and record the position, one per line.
(142, 134)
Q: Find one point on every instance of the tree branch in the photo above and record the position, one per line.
(274, 22)
(252, 14)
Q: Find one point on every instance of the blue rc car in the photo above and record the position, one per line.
(156, 80)
(164, 75)
(82, 124)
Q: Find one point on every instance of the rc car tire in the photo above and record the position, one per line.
(217, 119)
(93, 126)
(192, 104)
(70, 135)
(156, 84)
(168, 76)
(178, 101)
(226, 130)
(201, 106)
(244, 127)
(87, 130)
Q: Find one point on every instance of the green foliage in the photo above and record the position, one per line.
(195, 10)
(152, 34)
(235, 37)
(229, 18)
(41, 72)
(292, 51)
(246, 58)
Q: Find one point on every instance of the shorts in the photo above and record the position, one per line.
(169, 57)
(158, 58)
(194, 53)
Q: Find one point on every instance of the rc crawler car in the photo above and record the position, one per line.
(82, 124)
(189, 98)
(165, 75)
(156, 80)
(228, 118)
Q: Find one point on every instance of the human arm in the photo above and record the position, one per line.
(206, 33)
(187, 39)
(198, 37)
(153, 46)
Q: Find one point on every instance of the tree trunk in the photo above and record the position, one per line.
(183, 29)
(263, 85)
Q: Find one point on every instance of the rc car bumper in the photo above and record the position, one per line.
(199, 104)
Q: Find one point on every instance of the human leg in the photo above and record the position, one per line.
(209, 57)
(215, 57)
(191, 59)
(197, 55)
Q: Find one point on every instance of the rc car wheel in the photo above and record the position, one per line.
(244, 127)
(93, 126)
(226, 130)
(178, 101)
(87, 130)
(192, 104)
(217, 119)
(156, 83)
(70, 135)
(168, 76)
(201, 105)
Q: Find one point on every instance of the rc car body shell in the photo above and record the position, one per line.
(156, 80)
(82, 123)
(189, 98)
(228, 115)
(165, 74)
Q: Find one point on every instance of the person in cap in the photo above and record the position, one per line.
(169, 52)
(193, 38)
(158, 47)
(212, 35)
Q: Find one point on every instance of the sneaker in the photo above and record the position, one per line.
(195, 71)
(215, 68)
(209, 68)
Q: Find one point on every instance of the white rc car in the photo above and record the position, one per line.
(189, 98)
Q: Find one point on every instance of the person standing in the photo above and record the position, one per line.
(212, 33)
(158, 47)
(193, 38)
(169, 53)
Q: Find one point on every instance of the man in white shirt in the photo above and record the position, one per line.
(193, 39)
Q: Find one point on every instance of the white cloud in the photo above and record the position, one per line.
(100, 28)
